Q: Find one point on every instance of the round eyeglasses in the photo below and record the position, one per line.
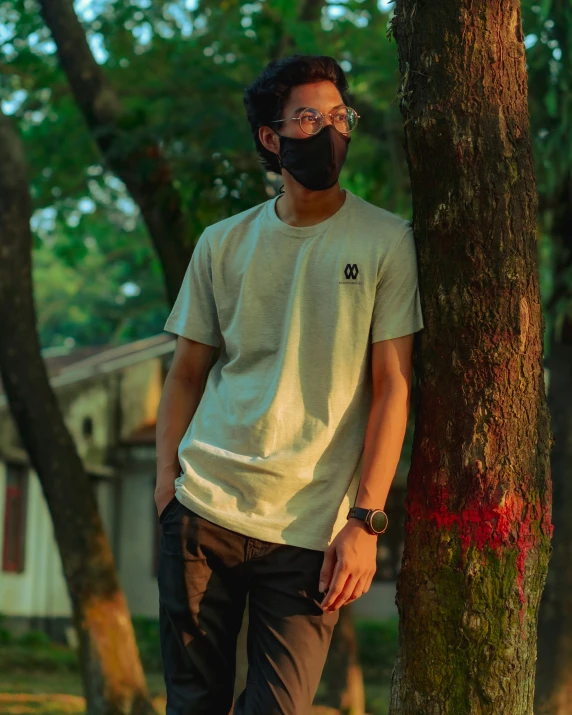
(311, 120)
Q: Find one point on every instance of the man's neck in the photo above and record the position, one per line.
(300, 207)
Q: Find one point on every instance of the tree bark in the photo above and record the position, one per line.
(478, 522)
(127, 146)
(113, 678)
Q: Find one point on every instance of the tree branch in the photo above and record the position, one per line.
(141, 166)
(310, 10)
(100, 612)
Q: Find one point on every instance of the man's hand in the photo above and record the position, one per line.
(162, 499)
(349, 565)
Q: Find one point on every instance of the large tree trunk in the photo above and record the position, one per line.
(478, 522)
(113, 678)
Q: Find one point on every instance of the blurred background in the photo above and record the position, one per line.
(103, 287)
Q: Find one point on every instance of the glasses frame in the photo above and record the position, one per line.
(323, 116)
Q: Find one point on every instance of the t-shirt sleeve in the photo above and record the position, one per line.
(397, 304)
(194, 314)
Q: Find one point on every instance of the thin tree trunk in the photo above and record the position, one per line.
(553, 695)
(343, 677)
(310, 10)
(138, 162)
(478, 522)
(113, 678)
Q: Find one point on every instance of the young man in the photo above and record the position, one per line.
(314, 296)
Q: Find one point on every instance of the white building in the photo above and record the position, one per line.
(109, 398)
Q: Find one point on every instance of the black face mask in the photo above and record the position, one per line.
(316, 162)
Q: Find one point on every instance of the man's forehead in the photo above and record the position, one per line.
(314, 95)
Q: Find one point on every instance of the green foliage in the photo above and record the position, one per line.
(547, 26)
(147, 636)
(35, 639)
(180, 74)
(20, 657)
(377, 648)
(5, 633)
(34, 650)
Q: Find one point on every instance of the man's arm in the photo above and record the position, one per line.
(350, 560)
(391, 372)
(180, 398)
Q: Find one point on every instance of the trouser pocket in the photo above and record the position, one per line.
(202, 592)
(167, 508)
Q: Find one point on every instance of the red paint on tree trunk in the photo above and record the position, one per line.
(511, 522)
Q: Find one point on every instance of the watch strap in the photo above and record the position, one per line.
(357, 512)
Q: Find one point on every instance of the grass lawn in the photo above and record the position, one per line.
(42, 678)
(56, 693)
(60, 693)
(41, 693)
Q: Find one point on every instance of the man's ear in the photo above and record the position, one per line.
(269, 139)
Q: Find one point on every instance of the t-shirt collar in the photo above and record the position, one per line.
(304, 231)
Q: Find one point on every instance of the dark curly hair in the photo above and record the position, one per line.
(266, 97)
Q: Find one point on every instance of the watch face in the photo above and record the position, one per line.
(378, 521)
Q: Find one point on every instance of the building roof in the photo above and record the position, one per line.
(66, 366)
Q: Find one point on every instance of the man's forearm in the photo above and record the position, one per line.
(383, 442)
(179, 401)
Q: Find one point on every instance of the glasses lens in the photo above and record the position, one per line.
(345, 119)
(311, 121)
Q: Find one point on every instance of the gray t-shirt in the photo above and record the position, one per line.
(274, 449)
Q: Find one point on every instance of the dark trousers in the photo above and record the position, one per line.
(205, 573)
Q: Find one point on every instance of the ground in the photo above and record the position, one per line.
(41, 693)
(41, 678)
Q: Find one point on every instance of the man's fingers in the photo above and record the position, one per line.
(334, 586)
(327, 568)
(338, 582)
(368, 582)
(361, 587)
(345, 593)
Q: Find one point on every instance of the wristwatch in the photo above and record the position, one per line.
(375, 519)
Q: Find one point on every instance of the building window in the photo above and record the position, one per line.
(13, 553)
(87, 427)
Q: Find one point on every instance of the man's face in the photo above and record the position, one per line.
(319, 95)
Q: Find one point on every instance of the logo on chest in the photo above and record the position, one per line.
(351, 272)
